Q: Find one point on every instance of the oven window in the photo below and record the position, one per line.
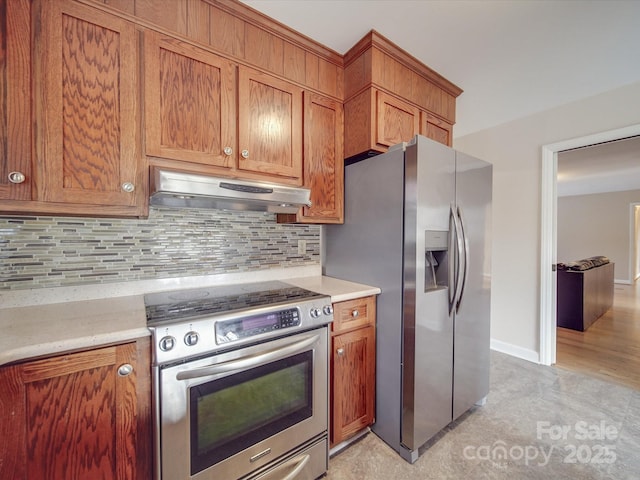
(237, 411)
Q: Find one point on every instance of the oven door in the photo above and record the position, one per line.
(230, 414)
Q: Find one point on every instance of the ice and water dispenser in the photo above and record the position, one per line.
(436, 260)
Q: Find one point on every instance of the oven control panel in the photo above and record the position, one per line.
(249, 326)
(203, 334)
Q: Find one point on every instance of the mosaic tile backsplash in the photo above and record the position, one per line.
(39, 252)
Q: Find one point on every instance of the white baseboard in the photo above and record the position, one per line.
(515, 351)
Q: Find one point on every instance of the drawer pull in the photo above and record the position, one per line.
(355, 314)
(340, 352)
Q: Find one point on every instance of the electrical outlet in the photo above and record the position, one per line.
(302, 247)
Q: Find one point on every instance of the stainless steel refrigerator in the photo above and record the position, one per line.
(418, 225)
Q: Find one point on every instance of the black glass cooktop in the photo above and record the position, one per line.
(180, 305)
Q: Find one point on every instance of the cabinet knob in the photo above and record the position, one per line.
(245, 153)
(340, 352)
(228, 151)
(124, 370)
(355, 313)
(128, 187)
(17, 177)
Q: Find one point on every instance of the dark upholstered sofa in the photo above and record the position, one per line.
(585, 292)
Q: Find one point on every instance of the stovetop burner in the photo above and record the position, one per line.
(195, 322)
(184, 304)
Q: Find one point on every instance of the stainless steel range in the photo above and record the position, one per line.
(240, 381)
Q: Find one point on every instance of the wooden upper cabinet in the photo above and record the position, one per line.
(269, 126)
(86, 108)
(390, 96)
(396, 121)
(15, 101)
(78, 416)
(205, 110)
(189, 103)
(436, 129)
(323, 162)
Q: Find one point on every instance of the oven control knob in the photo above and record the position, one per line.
(191, 338)
(315, 312)
(167, 343)
(327, 309)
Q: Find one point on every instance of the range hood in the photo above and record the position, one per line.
(171, 188)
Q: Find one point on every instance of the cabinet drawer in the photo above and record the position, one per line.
(353, 314)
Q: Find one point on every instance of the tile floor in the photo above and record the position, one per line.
(513, 436)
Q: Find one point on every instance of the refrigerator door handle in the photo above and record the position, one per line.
(459, 257)
(465, 250)
(453, 260)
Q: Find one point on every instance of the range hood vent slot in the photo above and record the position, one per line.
(171, 188)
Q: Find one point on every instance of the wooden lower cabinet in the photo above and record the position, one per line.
(353, 359)
(79, 415)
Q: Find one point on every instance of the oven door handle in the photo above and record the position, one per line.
(299, 462)
(248, 361)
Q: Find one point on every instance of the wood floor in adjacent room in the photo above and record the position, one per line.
(610, 348)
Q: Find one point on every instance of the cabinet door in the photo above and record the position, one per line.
(353, 373)
(323, 163)
(323, 159)
(269, 126)
(15, 96)
(77, 416)
(86, 107)
(189, 103)
(436, 129)
(396, 121)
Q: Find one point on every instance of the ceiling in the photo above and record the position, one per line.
(607, 167)
(512, 58)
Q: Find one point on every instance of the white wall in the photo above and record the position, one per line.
(598, 224)
(636, 241)
(515, 150)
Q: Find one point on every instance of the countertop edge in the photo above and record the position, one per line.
(38, 338)
(49, 349)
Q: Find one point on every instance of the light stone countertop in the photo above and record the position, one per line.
(39, 330)
(36, 331)
(339, 290)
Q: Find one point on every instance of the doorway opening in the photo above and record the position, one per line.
(548, 242)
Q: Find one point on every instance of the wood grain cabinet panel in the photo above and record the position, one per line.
(205, 110)
(396, 121)
(76, 416)
(390, 96)
(353, 362)
(436, 129)
(86, 107)
(15, 100)
(323, 163)
(189, 103)
(269, 125)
